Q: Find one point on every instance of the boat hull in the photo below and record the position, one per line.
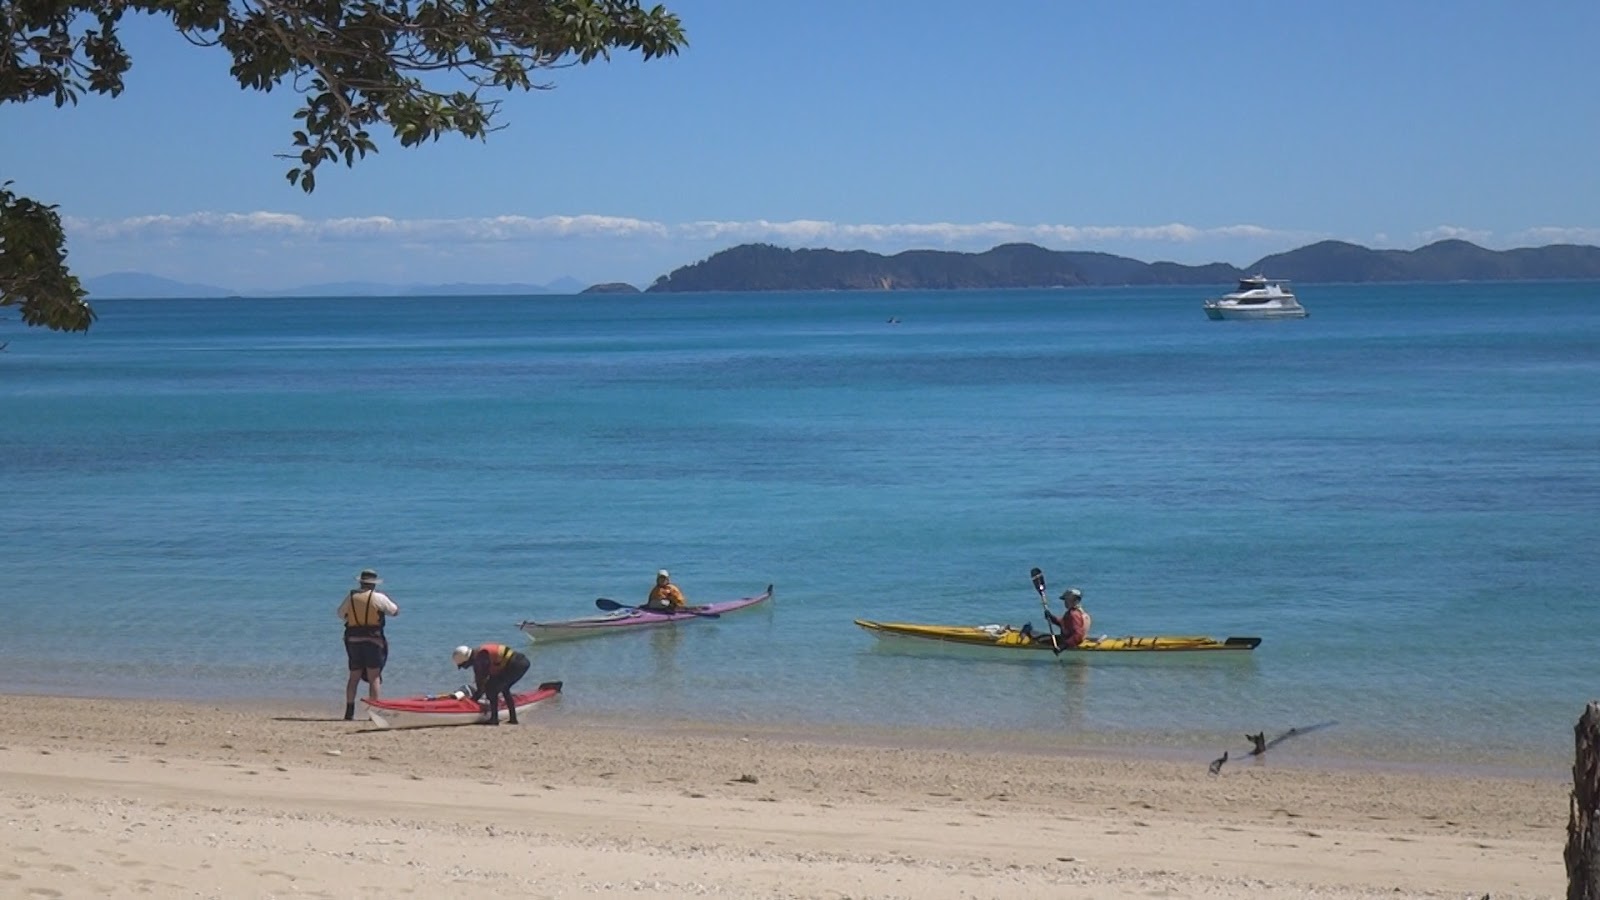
(1222, 311)
(624, 620)
(432, 712)
(1010, 640)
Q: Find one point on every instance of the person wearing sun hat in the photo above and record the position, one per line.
(665, 595)
(363, 612)
(1074, 623)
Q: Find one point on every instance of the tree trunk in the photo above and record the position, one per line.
(1583, 827)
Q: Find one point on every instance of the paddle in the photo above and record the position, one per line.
(609, 605)
(1044, 602)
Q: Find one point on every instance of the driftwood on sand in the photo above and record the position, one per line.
(1583, 823)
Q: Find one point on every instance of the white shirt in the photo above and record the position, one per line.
(380, 600)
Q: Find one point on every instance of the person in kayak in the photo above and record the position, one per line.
(365, 646)
(495, 668)
(1074, 623)
(665, 596)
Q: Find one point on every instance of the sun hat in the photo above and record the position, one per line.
(662, 574)
(1072, 594)
(369, 576)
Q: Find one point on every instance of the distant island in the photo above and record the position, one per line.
(764, 267)
(610, 287)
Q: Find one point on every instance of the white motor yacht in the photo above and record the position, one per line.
(1259, 297)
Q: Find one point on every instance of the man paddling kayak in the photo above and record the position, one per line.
(1074, 624)
(365, 647)
(495, 668)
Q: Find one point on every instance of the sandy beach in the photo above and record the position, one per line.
(104, 798)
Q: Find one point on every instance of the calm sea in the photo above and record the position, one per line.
(1400, 495)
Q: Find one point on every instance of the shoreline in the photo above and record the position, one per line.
(565, 806)
(1175, 747)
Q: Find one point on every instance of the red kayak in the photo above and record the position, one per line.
(427, 712)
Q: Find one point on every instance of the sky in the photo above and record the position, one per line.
(1162, 130)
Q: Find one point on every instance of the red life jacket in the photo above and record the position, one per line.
(1074, 627)
(498, 655)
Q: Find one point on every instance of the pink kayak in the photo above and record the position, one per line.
(632, 617)
(427, 712)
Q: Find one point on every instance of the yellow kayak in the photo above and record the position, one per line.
(1007, 638)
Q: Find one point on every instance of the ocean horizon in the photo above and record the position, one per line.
(1396, 494)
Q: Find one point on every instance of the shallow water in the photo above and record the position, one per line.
(1397, 494)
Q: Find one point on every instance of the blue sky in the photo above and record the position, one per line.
(1188, 131)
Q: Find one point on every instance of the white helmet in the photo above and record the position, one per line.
(461, 654)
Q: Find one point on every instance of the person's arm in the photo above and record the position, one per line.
(480, 674)
(677, 597)
(343, 605)
(387, 606)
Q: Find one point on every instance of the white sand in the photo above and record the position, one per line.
(104, 798)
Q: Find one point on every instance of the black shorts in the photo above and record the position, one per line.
(366, 655)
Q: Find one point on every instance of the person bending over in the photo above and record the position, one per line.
(495, 668)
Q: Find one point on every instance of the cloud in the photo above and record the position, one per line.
(1455, 233)
(809, 232)
(203, 225)
(1549, 234)
(496, 229)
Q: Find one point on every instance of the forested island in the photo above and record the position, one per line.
(764, 267)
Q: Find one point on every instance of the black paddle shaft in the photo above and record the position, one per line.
(1044, 602)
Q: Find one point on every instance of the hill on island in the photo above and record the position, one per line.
(763, 267)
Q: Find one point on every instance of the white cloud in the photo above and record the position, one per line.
(1455, 233)
(493, 229)
(947, 233)
(1554, 235)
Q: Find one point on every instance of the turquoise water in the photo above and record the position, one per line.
(1398, 494)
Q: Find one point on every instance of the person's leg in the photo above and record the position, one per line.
(350, 693)
(492, 693)
(377, 658)
(519, 668)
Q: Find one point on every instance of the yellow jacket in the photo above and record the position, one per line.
(666, 594)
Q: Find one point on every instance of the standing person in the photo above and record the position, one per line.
(365, 647)
(495, 668)
(665, 596)
(1074, 623)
